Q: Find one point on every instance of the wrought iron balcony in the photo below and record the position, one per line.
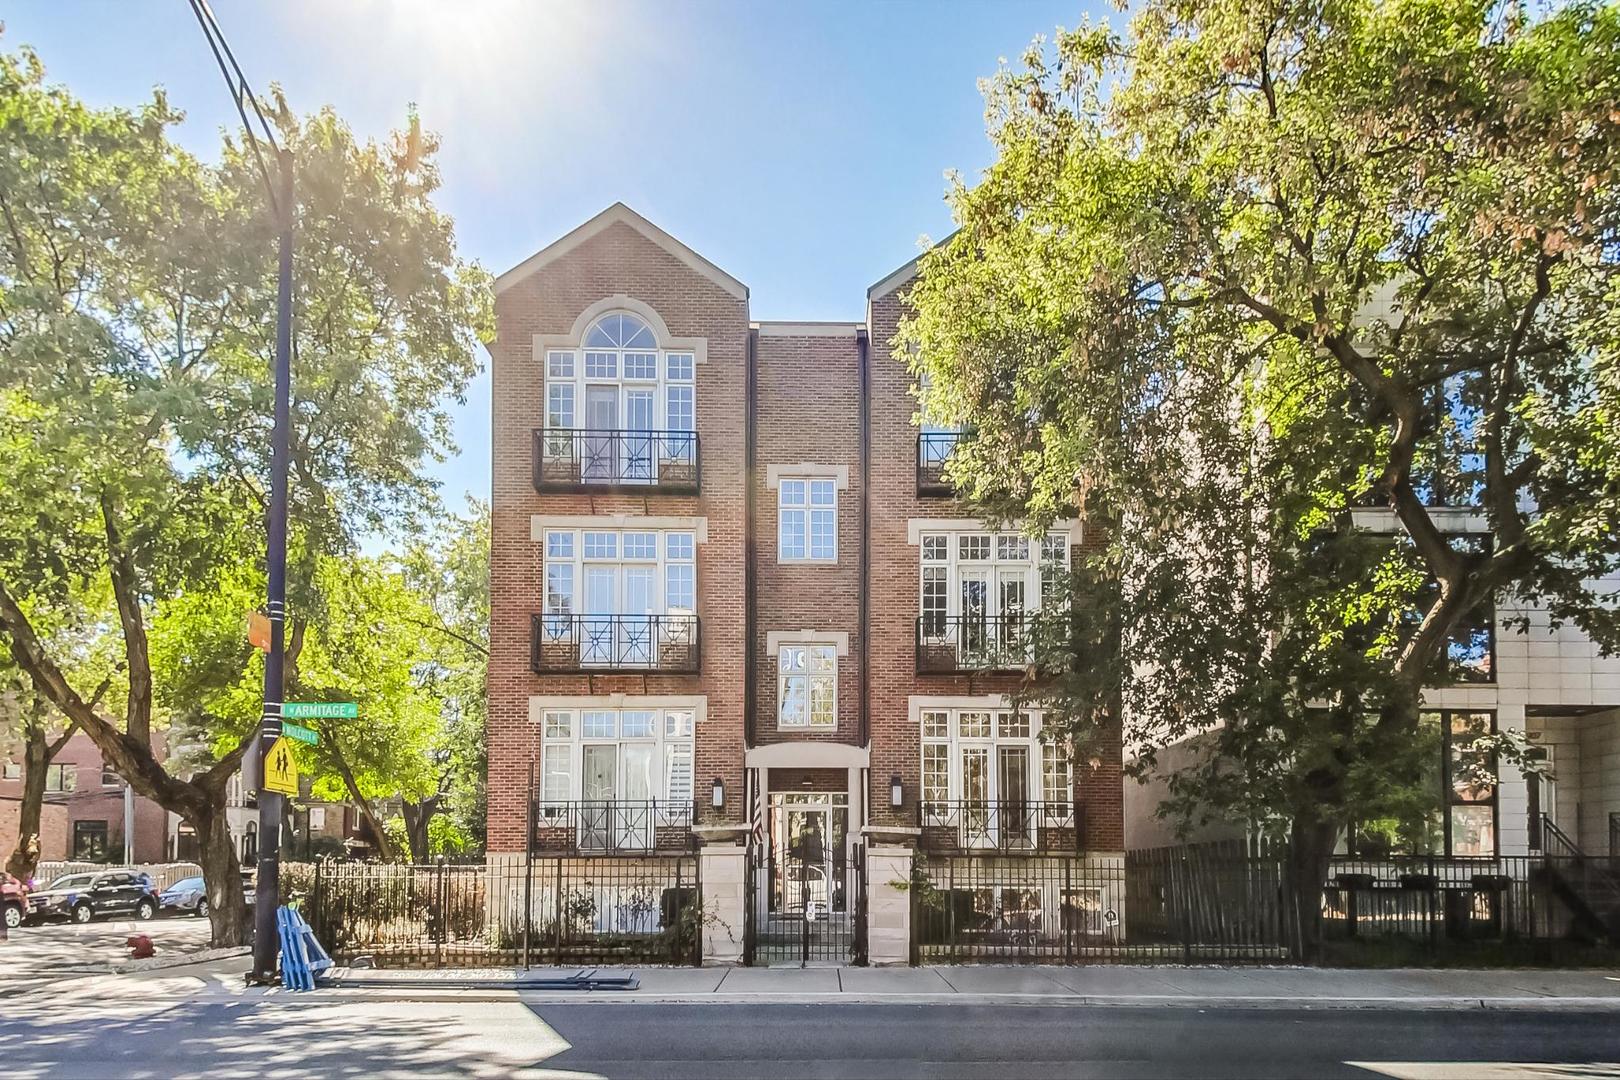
(933, 450)
(576, 644)
(999, 825)
(948, 644)
(612, 826)
(576, 459)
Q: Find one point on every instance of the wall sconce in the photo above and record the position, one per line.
(719, 794)
(897, 794)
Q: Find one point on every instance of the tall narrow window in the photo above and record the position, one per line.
(807, 686)
(807, 519)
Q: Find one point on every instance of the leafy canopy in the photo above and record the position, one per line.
(1313, 305)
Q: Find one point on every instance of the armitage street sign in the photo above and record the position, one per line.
(319, 710)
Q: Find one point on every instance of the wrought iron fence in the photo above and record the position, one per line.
(1005, 825)
(538, 910)
(933, 450)
(572, 644)
(578, 459)
(953, 643)
(613, 827)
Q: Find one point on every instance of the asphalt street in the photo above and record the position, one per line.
(147, 1036)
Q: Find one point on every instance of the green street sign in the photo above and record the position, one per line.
(320, 710)
(301, 734)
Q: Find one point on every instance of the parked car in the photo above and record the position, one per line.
(82, 897)
(13, 900)
(186, 896)
(190, 896)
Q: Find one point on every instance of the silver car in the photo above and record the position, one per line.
(185, 896)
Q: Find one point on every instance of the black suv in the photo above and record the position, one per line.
(82, 897)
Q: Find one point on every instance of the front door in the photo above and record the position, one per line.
(806, 897)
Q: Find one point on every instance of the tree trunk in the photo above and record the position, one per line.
(24, 859)
(1310, 850)
(230, 922)
(417, 816)
(385, 849)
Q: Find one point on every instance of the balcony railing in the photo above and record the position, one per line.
(613, 826)
(575, 644)
(999, 825)
(575, 459)
(933, 449)
(947, 644)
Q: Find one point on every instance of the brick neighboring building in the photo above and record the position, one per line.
(83, 814)
(721, 576)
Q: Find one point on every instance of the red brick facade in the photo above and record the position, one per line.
(796, 391)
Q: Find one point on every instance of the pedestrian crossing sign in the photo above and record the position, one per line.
(281, 768)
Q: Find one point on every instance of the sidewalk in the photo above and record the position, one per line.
(1190, 987)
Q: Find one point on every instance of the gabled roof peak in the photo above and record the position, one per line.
(616, 214)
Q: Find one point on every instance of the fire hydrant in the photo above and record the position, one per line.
(140, 946)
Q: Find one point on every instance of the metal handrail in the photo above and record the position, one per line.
(998, 824)
(614, 826)
(1555, 841)
(574, 644)
(952, 643)
(933, 450)
(584, 459)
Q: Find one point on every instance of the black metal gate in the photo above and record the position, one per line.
(805, 906)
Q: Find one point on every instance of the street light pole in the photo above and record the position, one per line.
(268, 884)
(267, 887)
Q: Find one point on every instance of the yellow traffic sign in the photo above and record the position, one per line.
(281, 768)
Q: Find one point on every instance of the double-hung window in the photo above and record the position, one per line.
(807, 519)
(807, 686)
(616, 774)
(990, 774)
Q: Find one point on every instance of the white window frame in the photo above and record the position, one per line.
(673, 729)
(566, 547)
(1043, 752)
(796, 502)
(565, 367)
(953, 564)
(810, 678)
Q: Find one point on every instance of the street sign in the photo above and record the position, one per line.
(281, 768)
(302, 734)
(319, 710)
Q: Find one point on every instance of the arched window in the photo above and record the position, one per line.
(620, 332)
(620, 410)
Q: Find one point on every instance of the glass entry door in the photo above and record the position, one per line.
(810, 835)
(600, 454)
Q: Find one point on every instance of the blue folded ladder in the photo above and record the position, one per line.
(302, 958)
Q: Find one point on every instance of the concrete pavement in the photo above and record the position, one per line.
(1200, 987)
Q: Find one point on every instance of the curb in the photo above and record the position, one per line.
(1140, 1001)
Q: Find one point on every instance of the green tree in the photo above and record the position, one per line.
(1247, 269)
(450, 572)
(137, 298)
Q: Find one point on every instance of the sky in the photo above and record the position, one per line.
(800, 147)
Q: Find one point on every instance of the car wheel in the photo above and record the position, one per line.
(202, 909)
(145, 910)
(14, 916)
(83, 913)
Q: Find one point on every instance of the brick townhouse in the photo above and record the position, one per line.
(733, 606)
(83, 815)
